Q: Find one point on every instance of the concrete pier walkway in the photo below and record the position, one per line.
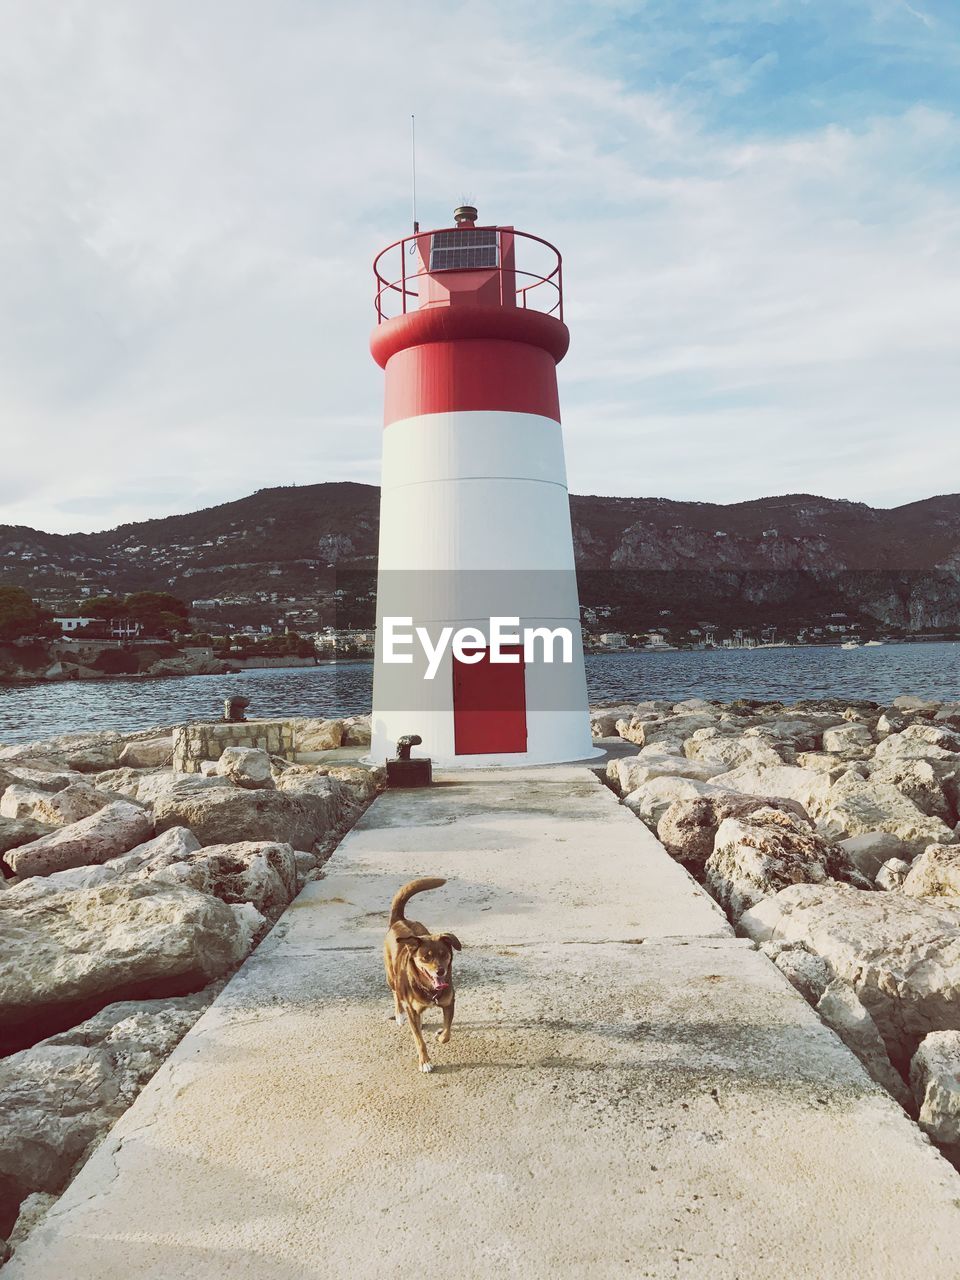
(630, 1090)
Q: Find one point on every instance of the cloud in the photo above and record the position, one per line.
(760, 247)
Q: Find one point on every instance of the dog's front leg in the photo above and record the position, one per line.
(414, 1016)
(443, 1035)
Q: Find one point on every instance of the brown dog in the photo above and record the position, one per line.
(419, 967)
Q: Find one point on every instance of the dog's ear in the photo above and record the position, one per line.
(412, 940)
(451, 940)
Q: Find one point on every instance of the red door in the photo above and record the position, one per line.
(489, 705)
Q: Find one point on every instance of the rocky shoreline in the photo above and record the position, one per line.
(130, 893)
(829, 834)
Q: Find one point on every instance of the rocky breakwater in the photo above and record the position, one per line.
(828, 831)
(129, 893)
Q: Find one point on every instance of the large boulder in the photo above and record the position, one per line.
(316, 735)
(225, 815)
(841, 1010)
(809, 788)
(856, 805)
(935, 1081)
(65, 954)
(356, 732)
(18, 831)
(935, 874)
(870, 850)
(724, 751)
(901, 955)
(603, 720)
(147, 753)
(263, 873)
(930, 784)
(670, 732)
(330, 798)
(105, 834)
(79, 800)
(756, 855)
(892, 874)
(786, 736)
(173, 845)
(652, 799)
(688, 827)
(630, 772)
(919, 742)
(247, 767)
(59, 1098)
(154, 785)
(848, 741)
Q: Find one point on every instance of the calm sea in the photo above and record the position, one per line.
(926, 670)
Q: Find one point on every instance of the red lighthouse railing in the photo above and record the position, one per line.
(399, 269)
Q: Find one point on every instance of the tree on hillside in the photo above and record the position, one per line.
(158, 611)
(20, 616)
(103, 607)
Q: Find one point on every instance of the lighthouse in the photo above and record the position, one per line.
(479, 650)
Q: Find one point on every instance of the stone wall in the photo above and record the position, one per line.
(193, 743)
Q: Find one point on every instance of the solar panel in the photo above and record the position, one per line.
(474, 247)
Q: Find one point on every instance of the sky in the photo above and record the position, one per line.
(757, 202)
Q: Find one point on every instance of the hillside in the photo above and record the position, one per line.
(786, 561)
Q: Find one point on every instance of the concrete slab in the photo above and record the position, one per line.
(670, 1109)
(532, 855)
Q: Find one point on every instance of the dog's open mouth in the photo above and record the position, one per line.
(438, 983)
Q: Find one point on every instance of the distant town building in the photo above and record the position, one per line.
(614, 640)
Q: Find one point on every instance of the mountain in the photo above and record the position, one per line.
(787, 561)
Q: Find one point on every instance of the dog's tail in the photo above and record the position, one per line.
(403, 896)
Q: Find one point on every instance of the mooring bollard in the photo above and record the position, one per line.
(402, 771)
(234, 708)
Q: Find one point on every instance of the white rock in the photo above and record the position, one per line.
(19, 801)
(603, 721)
(808, 788)
(850, 741)
(117, 940)
(870, 850)
(727, 752)
(930, 784)
(935, 1080)
(246, 767)
(918, 742)
(59, 1098)
(757, 855)
(263, 873)
(147, 753)
(317, 735)
(689, 827)
(32, 1212)
(935, 873)
(892, 874)
(901, 955)
(651, 800)
(155, 785)
(856, 805)
(907, 702)
(809, 974)
(633, 771)
(841, 1010)
(105, 834)
(225, 815)
(79, 800)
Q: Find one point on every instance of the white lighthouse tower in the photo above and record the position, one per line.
(474, 509)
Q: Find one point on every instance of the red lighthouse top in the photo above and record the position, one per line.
(468, 281)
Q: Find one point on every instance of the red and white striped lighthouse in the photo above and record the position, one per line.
(474, 509)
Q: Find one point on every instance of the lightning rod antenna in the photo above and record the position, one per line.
(413, 160)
